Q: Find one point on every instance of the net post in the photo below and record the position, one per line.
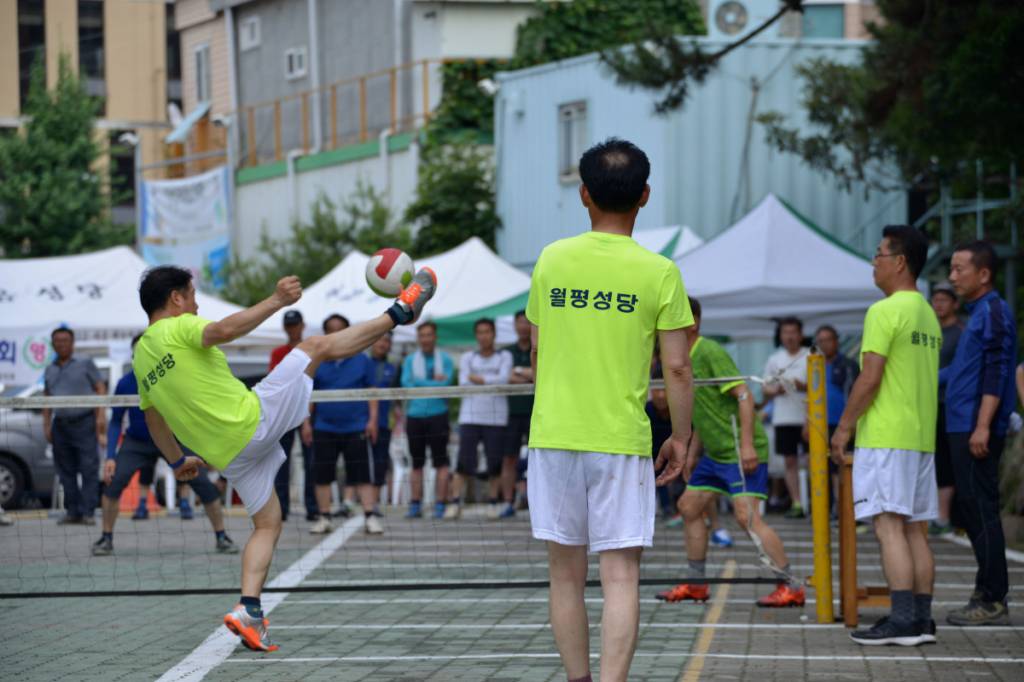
(848, 597)
(817, 421)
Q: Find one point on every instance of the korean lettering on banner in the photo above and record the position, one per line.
(24, 354)
(599, 300)
(57, 294)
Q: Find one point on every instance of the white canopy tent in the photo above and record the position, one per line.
(473, 282)
(774, 263)
(95, 294)
(671, 242)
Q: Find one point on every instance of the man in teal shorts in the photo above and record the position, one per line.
(187, 393)
(719, 413)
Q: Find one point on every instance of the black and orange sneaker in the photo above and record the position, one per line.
(784, 596)
(686, 592)
(409, 305)
(251, 629)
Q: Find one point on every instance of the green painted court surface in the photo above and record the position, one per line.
(445, 634)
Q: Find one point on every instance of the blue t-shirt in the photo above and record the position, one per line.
(427, 407)
(137, 428)
(385, 375)
(347, 417)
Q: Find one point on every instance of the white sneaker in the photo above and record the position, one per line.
(374, 525)
(493, 511)
(452, 511)
(321, 526)
(6, 519)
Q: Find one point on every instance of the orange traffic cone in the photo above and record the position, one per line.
(130, 497)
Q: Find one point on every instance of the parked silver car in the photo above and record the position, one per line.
(26, 459)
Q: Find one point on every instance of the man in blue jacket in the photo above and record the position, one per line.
(979, 400)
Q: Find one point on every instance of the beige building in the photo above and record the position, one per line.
(205, 54)
(125, 50)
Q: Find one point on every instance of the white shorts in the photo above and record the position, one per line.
(591, 498)
(897, 481)
(284, 404)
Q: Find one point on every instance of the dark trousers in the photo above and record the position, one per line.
(76, 451)
(977, 498)
(283, 480)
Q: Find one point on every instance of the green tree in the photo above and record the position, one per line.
(362, 222)
(454, 197)
(54, 197)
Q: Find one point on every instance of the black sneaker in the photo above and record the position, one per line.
(103, 547)
(927, 628)
(226, 545)
(886, 632)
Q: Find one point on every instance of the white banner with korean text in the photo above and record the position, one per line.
(24, 354)
(187, 222)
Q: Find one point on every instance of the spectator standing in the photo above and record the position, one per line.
(520, 407)
(945, 304)
(893, 408)
(348, 429)
(484, 418)
(426, 419)
(76, 433)
(786, 386)
(597, 303)
(979, 401)
(138, 452)
(385, 376)
(840, 373)
(294, 326)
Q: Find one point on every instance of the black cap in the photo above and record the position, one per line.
(292, 317)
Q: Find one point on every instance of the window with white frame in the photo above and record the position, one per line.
(249, 33)
(295, 63)
(202, 60)
(572, 139)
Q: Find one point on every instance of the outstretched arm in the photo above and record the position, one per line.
(289, 290)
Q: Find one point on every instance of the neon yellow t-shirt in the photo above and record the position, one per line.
(598, 300)
(208, 409)
(904, 329)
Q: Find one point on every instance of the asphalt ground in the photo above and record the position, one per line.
(454, 633)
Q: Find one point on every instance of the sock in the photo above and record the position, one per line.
(697, 569)
(414, 502)
(252, 606)
(493, 500)
(585, 678)
(108, 536)
(902, 607)
(221, 535)
(922, 607)
(142, 500)
(456, 500)
(783, 577)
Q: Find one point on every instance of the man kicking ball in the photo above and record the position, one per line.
(187, 391)
(718, 413)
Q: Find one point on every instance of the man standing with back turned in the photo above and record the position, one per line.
(186, 390)
(597, 301)
(893, 405)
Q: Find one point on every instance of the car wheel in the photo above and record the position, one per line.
(12, 482)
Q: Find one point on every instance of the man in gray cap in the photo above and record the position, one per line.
(946, 305)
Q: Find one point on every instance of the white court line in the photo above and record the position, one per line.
(455, 584)
(524, 600)
(522, 655)
(384, 567)
(1011, 554)
(595, 626)
(216, 648)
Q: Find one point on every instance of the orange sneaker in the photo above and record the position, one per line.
(686, 592)
(782, 597)
(253, 631)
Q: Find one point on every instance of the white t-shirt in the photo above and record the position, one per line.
(789, 409)
(485, 410)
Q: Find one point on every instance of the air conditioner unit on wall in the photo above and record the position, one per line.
(732, 19)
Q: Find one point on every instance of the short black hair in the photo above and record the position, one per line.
(615, 173)
(695, 308)
(983, 255)
(791, 319)
(135, 339)
(62, 330)
(158, 283)
(827, 328)
(428, 324)
(909, 242)
(336, 316)
(519, 313)
(484, 321)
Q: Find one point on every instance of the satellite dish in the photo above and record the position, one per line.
(731, 17)
(174, 115)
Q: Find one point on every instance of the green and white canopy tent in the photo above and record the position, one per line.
(671, 242)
